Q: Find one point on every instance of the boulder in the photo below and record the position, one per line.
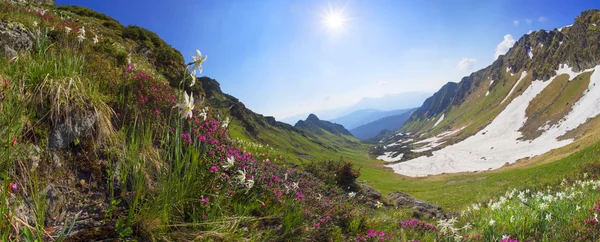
(14, 39)
(64, 133)
(369, 192)
(422, 208)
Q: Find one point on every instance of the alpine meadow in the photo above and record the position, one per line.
(113, 126)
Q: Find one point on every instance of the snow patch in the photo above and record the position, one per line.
(565, 69)
(529, 53)
(487, 93)
(561, 28)
(491, 82)
(498, 143)
(428, 147)
(439, 120)
(388, 157)
(523, 74)
(560, 43)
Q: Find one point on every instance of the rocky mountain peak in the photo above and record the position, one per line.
(312, 118)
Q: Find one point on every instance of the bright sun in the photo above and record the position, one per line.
(334, 20)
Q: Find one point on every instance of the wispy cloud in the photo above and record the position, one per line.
(543, 19)
(528, 21)
(466, 64)
(516, 23)
(504, 46)
(382, 83)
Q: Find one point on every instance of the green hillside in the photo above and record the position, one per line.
(106, 135)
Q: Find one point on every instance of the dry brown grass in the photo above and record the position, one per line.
(69, 100)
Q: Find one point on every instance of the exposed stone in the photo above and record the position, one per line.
(369, 192)
(56, 160)
(25, 212)
(8, 52)
(56, 202)
(422, 208)
(66, 132)
(14, 39)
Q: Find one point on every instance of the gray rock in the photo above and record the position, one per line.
(369, 192)
(56, 202)
(14, 39)
(422, 208)
(8, 52)
(64, 133)
(24, 212)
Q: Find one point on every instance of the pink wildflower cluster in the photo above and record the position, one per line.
(374, 235)
(591, 230)
(415, 224)
(509, 240)
(272, 182)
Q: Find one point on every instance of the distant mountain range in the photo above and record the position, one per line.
(390, 123)
(365, 116)
(390, 102)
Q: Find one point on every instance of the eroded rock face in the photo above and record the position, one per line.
(369, 192)
(422, 208)
(14, 39)
(66, 132)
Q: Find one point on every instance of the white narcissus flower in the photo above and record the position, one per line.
(187, 106)
(80, 38)
(295, 185)
(35, 23)
(250, 183)
(378, 204)
(82, 30)
(193, 75)
(492, 222)
(241, 176)
(198, 60)
(68, 30)
(204, 113)
(95, 39)
(351, 194)
(225, 123)
(229, 163)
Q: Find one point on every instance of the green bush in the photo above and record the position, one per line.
(81, 11)
(340, 173)
(167, 60)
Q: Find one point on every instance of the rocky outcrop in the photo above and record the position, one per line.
(539, 53)
(369, 192)
(14, 39)
(422, 209)
(314, 125)
(436, 103)
(64, 133)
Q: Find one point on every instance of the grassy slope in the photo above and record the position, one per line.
(450, 191)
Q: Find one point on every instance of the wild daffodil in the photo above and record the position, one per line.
(198, 60)
(187, 106)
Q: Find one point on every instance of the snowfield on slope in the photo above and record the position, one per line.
(498, 144)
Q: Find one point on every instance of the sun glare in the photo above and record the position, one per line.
(335, 20)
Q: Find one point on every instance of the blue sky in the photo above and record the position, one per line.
(280, 59)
